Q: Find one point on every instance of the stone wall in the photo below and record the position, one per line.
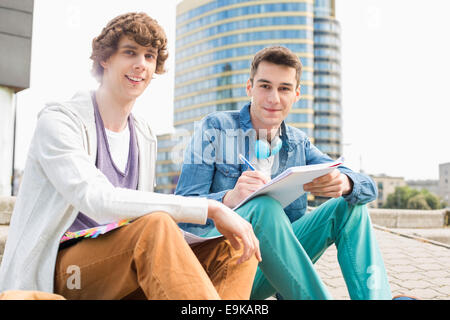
(6, 209)
(401, 218)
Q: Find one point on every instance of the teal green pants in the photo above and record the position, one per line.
(290, 250)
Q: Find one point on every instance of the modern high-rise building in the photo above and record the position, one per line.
(215, 44)
(327, 79)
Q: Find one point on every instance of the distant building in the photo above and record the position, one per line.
(386, 185)
(430, 185)
(444, 182)
(16, 21)
(169, 158)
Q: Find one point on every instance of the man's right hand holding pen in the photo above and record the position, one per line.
(249, 181)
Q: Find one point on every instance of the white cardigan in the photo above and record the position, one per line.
(61, 179)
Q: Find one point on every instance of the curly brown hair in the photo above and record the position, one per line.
(140, 28)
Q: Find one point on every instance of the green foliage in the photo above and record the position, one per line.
(418, 202)
(408, 198)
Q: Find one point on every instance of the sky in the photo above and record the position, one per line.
(395, 85)
(395, 77)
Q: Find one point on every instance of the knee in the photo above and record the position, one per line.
(359, 212)
(155, 228)
(355, 213)
(340, 204)
(159, 221)
(266, 203)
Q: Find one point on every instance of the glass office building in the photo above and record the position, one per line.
(327, 79)
(215, 43)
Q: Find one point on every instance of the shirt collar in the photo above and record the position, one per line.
(244, 118)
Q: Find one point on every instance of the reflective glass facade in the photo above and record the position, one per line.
(327, 79)
(215, 43)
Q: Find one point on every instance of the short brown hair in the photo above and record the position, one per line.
(277, 55)
(138, 27)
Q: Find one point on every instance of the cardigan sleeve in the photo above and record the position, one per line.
(63, 158)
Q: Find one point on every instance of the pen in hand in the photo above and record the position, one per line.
(246, 162)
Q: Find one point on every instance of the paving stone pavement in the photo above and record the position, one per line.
(415, 267)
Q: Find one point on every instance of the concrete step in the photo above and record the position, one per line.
(3, 236)
(440, 235)
(6, 209)
(409, 219)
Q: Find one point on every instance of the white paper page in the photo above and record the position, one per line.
(193, 239)
(288, 186)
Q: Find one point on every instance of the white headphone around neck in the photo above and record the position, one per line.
(263, 148)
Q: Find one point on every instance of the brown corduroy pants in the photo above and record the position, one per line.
(149, 259)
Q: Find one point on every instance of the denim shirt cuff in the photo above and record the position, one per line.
(218, 196)
(353, 196)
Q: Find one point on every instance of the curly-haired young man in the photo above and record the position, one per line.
(87, 224)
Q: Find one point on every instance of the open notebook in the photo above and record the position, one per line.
(288, 186)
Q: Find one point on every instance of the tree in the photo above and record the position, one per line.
(418, 202)
(408, 198)
(400, 197)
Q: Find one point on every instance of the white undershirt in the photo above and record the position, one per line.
(119, 146)
(264, 165)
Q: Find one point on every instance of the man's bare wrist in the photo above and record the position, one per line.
(350, 186)
(225, 199)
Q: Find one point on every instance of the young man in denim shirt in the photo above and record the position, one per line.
(290, 240)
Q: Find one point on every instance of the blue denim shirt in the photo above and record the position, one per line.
(211, 167)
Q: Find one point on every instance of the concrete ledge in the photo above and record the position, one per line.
(397, 218)
(6, 209)
(3, 236)
(440, 235)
